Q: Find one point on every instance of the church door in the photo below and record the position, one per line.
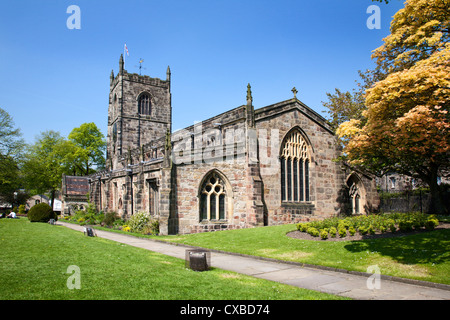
(153, 198)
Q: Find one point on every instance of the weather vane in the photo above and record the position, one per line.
(140, 65)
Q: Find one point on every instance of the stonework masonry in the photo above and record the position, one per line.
(224, 172)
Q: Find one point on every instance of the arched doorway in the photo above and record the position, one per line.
(357, 194)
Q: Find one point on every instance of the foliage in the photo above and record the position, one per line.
(313, 231)
(370, 224)
(324, 234)
(11, 148)
(41, 212)
(342, 232)
(152, 227)
(333, 232)
(11, 143)
(138, 221)
(430, 224)
(352, 231)
(343, 106)
(109, 219)
(418, 31)
(406, 126)
(22, 209)
(89, 147)
(45, 162)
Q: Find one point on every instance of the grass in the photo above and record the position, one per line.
(424, 256)
(35, 257)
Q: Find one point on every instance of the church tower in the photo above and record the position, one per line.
(139, 113)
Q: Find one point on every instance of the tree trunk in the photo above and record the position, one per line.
(437, 203)
(52, 195)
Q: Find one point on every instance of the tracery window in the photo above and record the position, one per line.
(144, 104)
(213, 198)
(295, 169)
(354, 198)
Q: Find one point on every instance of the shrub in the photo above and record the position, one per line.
(126, 228)
(313, 231)
(109, 218)
(431, 223)
(324, 234)
(342, 232)
(152, 227)
(363, 230)
(352, 231)
(22, 209)
(302, 227)
(333, 232)
(41, 212)
(405, 225)
(138, 221)
(390, 223)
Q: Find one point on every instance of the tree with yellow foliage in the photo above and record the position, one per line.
(406, 125)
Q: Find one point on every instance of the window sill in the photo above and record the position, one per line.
(213, 221)
(297, 204)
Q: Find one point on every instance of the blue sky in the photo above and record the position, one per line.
(55, 78)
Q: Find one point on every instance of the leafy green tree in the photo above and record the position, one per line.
(89, 147)
(11, 148)
(45, 163)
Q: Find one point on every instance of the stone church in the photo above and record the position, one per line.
(243, 168)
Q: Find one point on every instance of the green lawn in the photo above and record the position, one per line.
(34, 259)
(424, 256)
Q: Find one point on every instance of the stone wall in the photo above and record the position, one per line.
(326, 176)
(127, 129)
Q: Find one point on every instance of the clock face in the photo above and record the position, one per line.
(114, 132)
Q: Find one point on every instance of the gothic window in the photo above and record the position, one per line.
(295, 169)
(213, 198)
(354, 197)
(392, 180)
(114, 108)
(144, 104)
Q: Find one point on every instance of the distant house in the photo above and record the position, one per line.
(36, 199)
(40, 198)
(394, 182)
(74, 193)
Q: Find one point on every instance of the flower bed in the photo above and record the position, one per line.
(368, 225)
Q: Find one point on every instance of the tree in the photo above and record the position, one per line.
(89, 147)
(406, 125)
(11, 147)
(45, 163)
(418, 30)
(343, 106)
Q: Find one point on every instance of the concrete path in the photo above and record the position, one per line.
(338, 283)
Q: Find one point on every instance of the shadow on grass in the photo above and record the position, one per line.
(422, 248)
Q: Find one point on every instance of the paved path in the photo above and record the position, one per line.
(338, 283)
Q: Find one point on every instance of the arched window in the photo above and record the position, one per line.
(357, 194)
(294, 169)
(213, 200)
(144, 104)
